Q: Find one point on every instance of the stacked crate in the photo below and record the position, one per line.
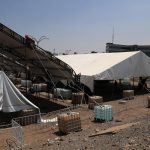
(77, 98)
(28, 116)
(128, 94)
(94, 101)
(69, 122)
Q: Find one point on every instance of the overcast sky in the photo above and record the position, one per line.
(79, 25)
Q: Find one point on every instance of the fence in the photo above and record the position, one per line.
(39, 122)
(124, 105)
(50, 119)
(26, 120)
(17, 133)
(42, 124)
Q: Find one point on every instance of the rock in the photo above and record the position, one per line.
(145, 139)
(91, 147)
(52, 128)
(50, 142)
(127, 137)
(131, 141)
(85, 139)
(57, 139)
(44, 144)
(61, 139)
(114, 144)
(96, 130)
(118, 120)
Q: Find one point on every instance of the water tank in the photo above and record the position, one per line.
(23, 75)
(40, 87)
(26, 83)
(103, 112)
(62, 93)
(69, 122)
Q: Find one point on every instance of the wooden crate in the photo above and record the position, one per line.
(69, 122)
(28, 116)
(94, 101)
(128, 94)
(92, 105)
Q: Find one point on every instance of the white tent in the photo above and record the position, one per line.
(11, 99)
(108, 66)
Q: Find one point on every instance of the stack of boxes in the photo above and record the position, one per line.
(94, 101)
(69, 122)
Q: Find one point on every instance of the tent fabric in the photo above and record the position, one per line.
(11, 99)
(108, 66)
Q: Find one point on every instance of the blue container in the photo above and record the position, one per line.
(103, 112)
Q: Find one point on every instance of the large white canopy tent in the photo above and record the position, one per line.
(108, 66)
(11, 99)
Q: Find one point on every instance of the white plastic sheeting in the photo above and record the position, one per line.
(108, 66)
(11, 99)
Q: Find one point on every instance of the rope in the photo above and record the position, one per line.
(64, 73)
(47, 73)
(66, 76)
(80, 90)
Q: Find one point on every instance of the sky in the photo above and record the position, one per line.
(79, 26)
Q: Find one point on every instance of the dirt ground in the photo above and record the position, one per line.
(47, 137)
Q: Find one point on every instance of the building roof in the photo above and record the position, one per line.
(16, 55)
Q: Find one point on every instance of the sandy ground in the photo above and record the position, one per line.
(47, 136)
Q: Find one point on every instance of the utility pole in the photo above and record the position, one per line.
(54, 51)
(113, 35)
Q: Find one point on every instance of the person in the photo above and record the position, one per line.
(142, 83)
(116, 86)
(29, 41)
